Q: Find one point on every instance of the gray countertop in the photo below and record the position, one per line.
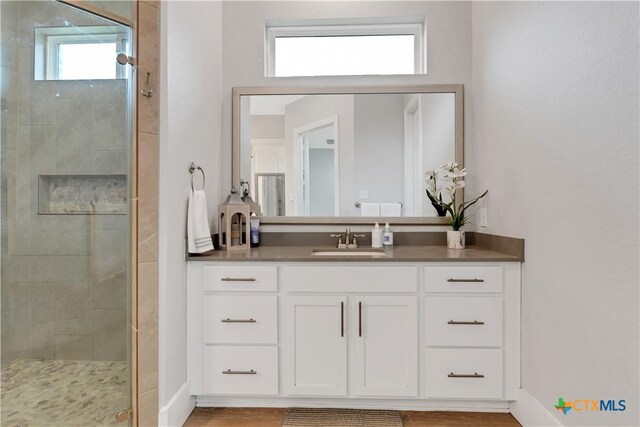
(396, 254)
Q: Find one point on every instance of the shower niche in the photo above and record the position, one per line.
(82, 194)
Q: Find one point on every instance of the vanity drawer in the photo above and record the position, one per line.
(349, 279)
(463, 279)
(240, 278)
(240, 370)
(463, 321)
(236, 319)
(463, 373)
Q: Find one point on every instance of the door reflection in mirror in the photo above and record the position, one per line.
(317, 171)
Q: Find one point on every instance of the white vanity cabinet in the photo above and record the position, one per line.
(413, 335)
(382, 330)
(315, 353)
(386, 345)
(233, 323)
(470, 313)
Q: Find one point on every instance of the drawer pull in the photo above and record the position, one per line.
(465, 280)
(359, 318)
(474, 375)
(238, 279)
(238, 320)
(342, 319)
(230, 372)
(464, 322)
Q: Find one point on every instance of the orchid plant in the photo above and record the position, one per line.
(435, 197)
(452, 179)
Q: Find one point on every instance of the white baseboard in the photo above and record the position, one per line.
(529, 412)
(353, 403)
(176, 412)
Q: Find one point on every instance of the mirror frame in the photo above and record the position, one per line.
(237, 92)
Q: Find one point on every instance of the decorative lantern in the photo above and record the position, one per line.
(233, 223)
(248, 200)
(254, 208)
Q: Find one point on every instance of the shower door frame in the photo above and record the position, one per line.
(132, 106)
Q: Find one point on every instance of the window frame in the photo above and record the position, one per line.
(48, 41)
(416, 28)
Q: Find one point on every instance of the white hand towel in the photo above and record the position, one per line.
(390, 209)
(369, 209)
(198, 233)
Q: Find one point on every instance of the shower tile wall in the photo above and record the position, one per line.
(64, 289)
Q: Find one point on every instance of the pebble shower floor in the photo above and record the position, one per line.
(62, 393)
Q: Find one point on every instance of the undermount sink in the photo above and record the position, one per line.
(360, 252)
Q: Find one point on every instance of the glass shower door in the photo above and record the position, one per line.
(66, 143)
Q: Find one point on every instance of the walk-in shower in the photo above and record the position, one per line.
(66, 143)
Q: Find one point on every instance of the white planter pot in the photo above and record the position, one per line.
(455, 239)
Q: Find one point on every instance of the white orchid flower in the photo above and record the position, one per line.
(431, 187)
(451, 178)
(458, 173)
(447, 190)
(449, 166)
(430, 181)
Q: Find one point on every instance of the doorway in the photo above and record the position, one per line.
(318, 172)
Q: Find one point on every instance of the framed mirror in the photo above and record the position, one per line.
(335, 155)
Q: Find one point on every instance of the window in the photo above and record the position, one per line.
(345, 49)
(79, 53)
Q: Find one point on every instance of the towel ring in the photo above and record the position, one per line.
(192, 170)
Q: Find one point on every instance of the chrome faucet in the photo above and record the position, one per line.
(350, 239)
(339, 244)
(354, 244)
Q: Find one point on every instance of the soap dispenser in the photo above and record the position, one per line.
(387, 237)
(376, 236)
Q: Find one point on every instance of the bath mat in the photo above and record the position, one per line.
(302, 417)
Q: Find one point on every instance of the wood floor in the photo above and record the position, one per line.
(272, 417)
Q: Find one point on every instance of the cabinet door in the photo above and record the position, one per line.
(315, 343)
(385, 331)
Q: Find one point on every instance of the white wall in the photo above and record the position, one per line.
(267, 126)
(379, 148)
(191, 53)
(556, 136)
(245, 139)
(310, 110)
(438, 112)
(448, 47)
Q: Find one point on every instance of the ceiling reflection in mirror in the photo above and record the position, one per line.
(337, 155)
